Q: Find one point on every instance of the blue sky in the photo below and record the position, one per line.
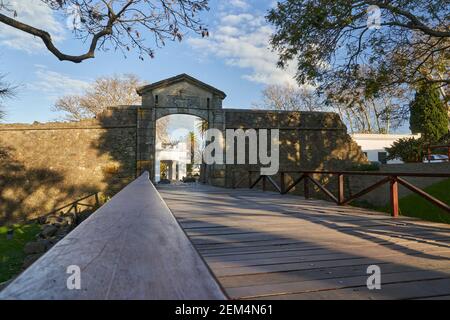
(235, 58)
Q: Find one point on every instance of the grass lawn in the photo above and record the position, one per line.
(11, 251)
(416, 206)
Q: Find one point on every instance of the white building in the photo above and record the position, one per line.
(373, 145)
(176, 156)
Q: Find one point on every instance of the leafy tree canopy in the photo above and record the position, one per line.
(331, 40)
(429, 116)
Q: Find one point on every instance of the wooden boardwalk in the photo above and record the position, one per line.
(271, 246)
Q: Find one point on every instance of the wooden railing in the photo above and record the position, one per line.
(130, 248)
(307, 177)
(76, 205)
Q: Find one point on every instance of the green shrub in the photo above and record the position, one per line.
(373, 166)
(407, 149)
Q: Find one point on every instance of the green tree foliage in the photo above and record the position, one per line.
(407, 150)
(429, 115)
(331, 40)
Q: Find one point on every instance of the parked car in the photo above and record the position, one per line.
(436, 158)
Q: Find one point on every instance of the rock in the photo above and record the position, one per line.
(69, 219)
(62, 232)
(48, 231)
(53, 220)
(41, 220)
(39, 246)
(29, 260)
(53, 240)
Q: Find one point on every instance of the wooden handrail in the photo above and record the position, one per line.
(366, 190)
(393, 178)
(77, 202)
(130, 248)
(367, 173)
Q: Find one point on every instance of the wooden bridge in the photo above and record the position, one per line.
(240, 244)
(271, 246)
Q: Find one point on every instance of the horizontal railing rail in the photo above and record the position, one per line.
(75, 205)
(130, 248)
(307, 177)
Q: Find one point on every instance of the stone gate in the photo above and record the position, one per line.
(44, 165)
(182, 94)
(313, 140)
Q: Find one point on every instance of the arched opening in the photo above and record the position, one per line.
(180, 140)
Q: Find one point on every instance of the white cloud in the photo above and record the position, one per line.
(55, 84)
(36, 14)
(241, 4)
(242, 40)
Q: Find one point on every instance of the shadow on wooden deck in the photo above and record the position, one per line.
(266, 245)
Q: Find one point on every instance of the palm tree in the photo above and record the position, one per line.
(192, 140)
(202, 126)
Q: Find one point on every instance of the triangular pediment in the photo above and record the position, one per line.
(180, 78)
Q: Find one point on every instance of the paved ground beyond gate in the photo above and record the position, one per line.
(265, 245)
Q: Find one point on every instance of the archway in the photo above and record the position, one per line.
(179, 143)
(178, 95)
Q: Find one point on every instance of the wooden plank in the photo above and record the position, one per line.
(406, 290)
(327, 254)
(316, 237)
(272, 227)
(234, 254)
(282, 267)
(312, 249)
(131, 248)
(331, 272)
(297, 287)
(357, 260)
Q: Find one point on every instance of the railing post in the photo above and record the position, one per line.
(233, 179)
(97, 201)
(341, 194)
(282, 183)
(394, 196)
(306, 186)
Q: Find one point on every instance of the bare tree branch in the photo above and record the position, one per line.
(120, 23)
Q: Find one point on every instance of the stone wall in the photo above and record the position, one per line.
(308, 140)
(48, 165)
(44, 166)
